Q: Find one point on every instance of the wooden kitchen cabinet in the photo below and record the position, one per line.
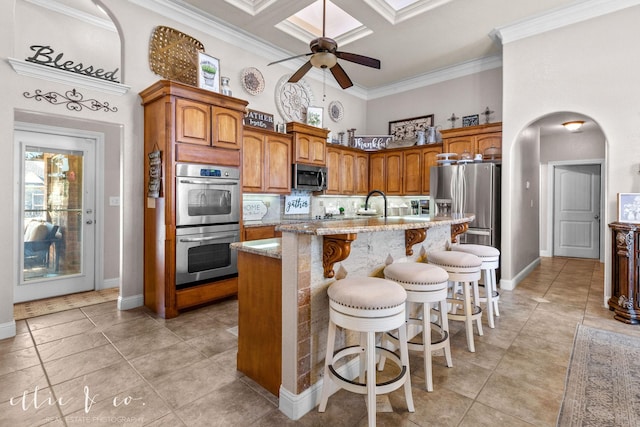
(341, 170)
(309, 143)
(429, 160)
(260, 319)
(206, 124)
(377, 171)
(362, 173)
(474, 139)
(625, 278)
(398, 172)
(260, 232)
(266, 161)
(185, 124)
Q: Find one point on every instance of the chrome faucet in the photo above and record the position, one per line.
(384, 196)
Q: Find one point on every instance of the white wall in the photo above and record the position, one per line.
(589, 68)
(463, 96)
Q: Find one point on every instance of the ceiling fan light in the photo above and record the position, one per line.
(323, 60)
(573, 125)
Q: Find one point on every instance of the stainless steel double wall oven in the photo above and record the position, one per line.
(207, 222)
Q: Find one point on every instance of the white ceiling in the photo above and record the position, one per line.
(431, 34)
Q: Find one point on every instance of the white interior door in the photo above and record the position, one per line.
(57, 215)
(576, 211)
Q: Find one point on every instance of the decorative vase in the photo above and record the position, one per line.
(224, 88)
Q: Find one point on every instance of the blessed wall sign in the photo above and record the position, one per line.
(45, 55)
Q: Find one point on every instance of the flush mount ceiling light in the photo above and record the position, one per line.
(573, 125)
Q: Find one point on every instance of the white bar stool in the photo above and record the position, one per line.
(425, 285)
(463, 268)
(367, 305)
(490, 258)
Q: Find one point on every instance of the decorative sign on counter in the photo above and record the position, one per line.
(297, 204)
(372, 142)
(259, 120)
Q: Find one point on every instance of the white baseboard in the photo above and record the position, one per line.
(7, 330)
(511, 284)
(295, 406)
(546, 253)
(127, 303)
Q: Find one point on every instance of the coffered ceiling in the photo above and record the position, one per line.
(411, 38)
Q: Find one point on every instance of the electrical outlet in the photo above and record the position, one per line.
(114, 201)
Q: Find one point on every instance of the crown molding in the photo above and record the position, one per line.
(58, 7)
(51, 74)
(396, 16)
(437, 76)
(252, 7)
(558, 18)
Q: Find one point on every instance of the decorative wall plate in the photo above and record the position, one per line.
(292, 99)
(252, 80)
(336, 111)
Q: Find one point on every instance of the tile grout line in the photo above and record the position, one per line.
(46, 375)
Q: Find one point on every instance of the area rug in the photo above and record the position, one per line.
(41, 307)
(603, 380)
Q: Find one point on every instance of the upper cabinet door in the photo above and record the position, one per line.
(253, 162)
(393, 173)
(412, 169)
(193, 122)
(362, 173)
(489, 140)
(277, 174)
(227, 128)
(377, 171)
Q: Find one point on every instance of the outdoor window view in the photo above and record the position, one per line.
(52, 213)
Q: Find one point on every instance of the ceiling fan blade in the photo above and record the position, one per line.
(291, 57)
(300, 73)
(343, 80)
(359, 59)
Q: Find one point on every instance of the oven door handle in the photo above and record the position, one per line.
(206, 239)
(205, 181)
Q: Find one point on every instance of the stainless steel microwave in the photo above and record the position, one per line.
(310, 178)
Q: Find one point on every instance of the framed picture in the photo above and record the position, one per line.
(470, 120)
(208, 72)
(314, 116)
(408, 128)
(629, 207)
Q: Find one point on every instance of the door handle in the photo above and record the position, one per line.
(89, 222)
(597, 217)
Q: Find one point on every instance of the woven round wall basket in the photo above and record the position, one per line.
(174, 55)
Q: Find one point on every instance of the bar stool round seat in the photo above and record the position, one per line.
(463, 269)
(490, 258)
(426, 285)
(367, 305)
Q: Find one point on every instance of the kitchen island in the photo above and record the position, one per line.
(315, 254)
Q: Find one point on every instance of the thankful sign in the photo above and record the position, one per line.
(45, 55)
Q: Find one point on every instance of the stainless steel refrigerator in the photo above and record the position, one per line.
(469, 188)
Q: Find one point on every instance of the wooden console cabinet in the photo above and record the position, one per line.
(625, 283)
(185, 124)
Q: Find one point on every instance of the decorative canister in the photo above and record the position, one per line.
(421, 140)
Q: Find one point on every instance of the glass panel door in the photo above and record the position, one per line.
(57, 216)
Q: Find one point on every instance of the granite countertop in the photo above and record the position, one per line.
(369, 225)
(266, 247)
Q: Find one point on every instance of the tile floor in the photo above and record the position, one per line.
(96, 365)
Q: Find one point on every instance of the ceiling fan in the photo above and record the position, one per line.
(324, 54)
